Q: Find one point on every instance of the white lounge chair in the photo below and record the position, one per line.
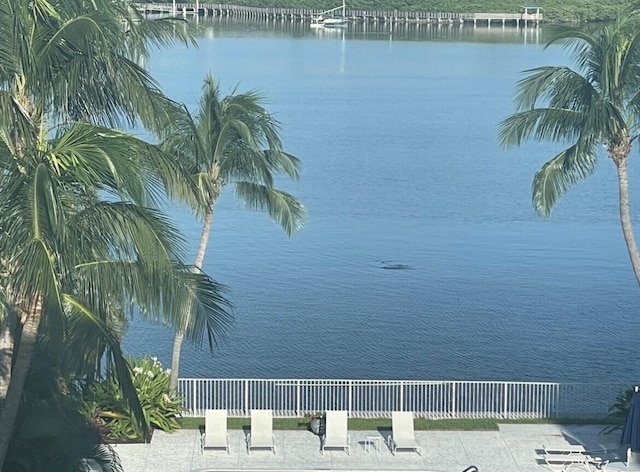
(261, 435)
(564, 449)
(215, 434)
(565, 456)
(336, 434)
(402, 434)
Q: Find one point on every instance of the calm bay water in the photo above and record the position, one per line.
(401, 165)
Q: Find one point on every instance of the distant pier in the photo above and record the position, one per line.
(529, 16)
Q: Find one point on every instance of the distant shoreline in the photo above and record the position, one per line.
(555, 11)
(528, 16)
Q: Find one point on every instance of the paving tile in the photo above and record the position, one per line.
(214, 459)
(358, 458)
(132, 463)
(303, 451)
(132, 456)
(488, 452)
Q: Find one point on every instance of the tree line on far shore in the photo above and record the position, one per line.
(553, 10)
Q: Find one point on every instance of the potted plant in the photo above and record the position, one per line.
(317, 422)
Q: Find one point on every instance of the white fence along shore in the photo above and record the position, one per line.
(435, 399)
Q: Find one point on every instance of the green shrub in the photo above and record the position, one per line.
(50, 433)
(103, 401)
(619, 410)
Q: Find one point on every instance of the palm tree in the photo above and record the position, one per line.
(79, 235)
(597, 104)
(232, 141)
(70, 253)
(79, 61)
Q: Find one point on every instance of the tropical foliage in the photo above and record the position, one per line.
(591, 108)
(50, 433)
(83, 246)
(619, 410)
(161, 406)
(232, 141)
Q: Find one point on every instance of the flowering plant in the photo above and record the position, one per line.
(103, 400)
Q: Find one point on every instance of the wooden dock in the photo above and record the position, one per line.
(523, 18)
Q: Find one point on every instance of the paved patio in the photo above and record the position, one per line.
(513, 448)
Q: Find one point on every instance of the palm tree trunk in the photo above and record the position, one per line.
(19, 374)
(625, 216)
(7, 345)
(177, 341)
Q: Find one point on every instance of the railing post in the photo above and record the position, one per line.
(453, 400)
(349, 401)
(194, 402)
(505, 399)
(298, 399)
(401, 396)
(246, 398)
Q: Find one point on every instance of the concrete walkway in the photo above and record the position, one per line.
(513, 448)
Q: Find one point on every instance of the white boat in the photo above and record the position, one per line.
(330, 21)
(333, 22)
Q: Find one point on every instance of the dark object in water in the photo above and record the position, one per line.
(386, 265)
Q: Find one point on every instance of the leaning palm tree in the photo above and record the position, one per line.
(596, 104)
(232, 141)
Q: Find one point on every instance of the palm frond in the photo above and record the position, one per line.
(280, 161)
(36, 281)
(577, 41)
(553, 86)
(114, 162)
(246, 164)
(108, 458)
(128, 232)
(282, 207)
(17, 123)
(552, 124)
(560, 174)
(47, 216)
(117, 363)
(160, 296)
(211, 312)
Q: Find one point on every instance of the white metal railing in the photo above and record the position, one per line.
(378, 398)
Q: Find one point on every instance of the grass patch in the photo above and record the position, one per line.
(373, 424)
(245, 423)
(598, 420)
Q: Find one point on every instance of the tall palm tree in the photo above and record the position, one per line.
(77, 242)
(79, 237)
(596, 104)
(232, 141)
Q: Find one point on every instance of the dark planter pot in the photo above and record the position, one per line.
(317, 426)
